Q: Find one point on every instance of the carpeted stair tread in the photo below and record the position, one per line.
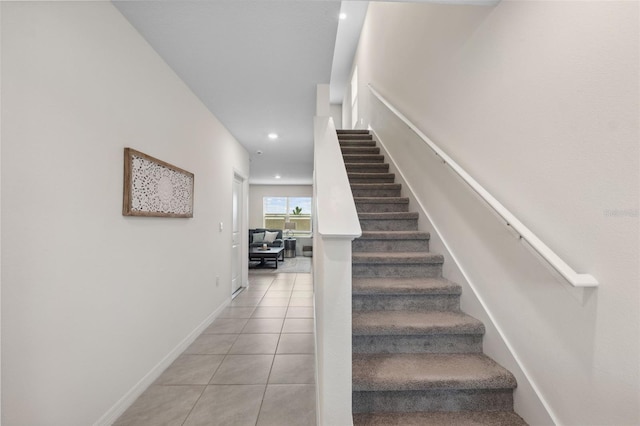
(399, 285)
(384, 258)
(364, 175)
(376, 186)
(414, 323)
(363, 158)
(382, 167)
(351, 136)
(359, 149)
(460, 418)
(357, 143)
(382, 200)
(394, 235)
(352, 131)
(398, 372)
(388, 216)
(367, 168)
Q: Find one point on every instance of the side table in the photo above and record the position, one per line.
(289, 247)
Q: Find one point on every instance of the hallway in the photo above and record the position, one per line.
(254, 365)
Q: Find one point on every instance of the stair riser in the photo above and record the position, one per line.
(439, 343)
(409, 302)
(359, 150)
(363, 246)
(369, 158)
(398, 270)
(357, 143)
(375, 192)
(433, 400)
(367, 168)
(381, 207)
(389, 224)
(372, 179)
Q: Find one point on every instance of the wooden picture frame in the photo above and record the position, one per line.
(155, 188)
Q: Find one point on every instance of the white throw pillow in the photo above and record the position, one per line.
(270, 237)
(258, 237)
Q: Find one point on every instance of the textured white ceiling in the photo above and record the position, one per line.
(255, 65)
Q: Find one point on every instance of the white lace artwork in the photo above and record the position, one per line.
(157, 188)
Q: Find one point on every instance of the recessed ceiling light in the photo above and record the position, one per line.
(272, 136)
(343, 16)
(277, 176)
(259, 152)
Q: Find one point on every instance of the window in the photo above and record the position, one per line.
(278, 210)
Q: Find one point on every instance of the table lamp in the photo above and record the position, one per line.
(289, 226)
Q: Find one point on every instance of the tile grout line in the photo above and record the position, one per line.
(270, 370)
(219, 365)
(206, 385)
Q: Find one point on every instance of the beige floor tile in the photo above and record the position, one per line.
(299, 312)
(245, 301)
(260, 279)
(214, 344)
(291, 405)
(298, 325)
(303, 287)
(248, 344)
(270, 312)
(301, 301)
(226, 326)
(293, 369)
(256, 288)
(190, 370)
(281, 285)
(276, 301)
(161, 406)
(301, 293)
(275, 294)
(224, 405)
(243, 370)
(263, 325)
(296, 343)
(236, 312)
(284, 277)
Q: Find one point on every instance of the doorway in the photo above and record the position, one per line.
(236, 234)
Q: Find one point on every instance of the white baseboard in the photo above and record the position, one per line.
(125, 402)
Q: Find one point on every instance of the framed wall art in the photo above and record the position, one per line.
(155, 188)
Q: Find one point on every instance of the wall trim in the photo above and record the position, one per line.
(472, 285)
(128, 398)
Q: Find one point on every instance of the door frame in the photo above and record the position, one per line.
(244, 229)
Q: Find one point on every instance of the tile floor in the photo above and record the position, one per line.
(254, 365)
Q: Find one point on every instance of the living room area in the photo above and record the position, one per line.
(280, 229)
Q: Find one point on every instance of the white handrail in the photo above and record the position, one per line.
(574, 278)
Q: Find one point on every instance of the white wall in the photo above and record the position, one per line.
(539, 102)
(336, 114)
(92, 301)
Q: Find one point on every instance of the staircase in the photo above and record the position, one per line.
(417, 359)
